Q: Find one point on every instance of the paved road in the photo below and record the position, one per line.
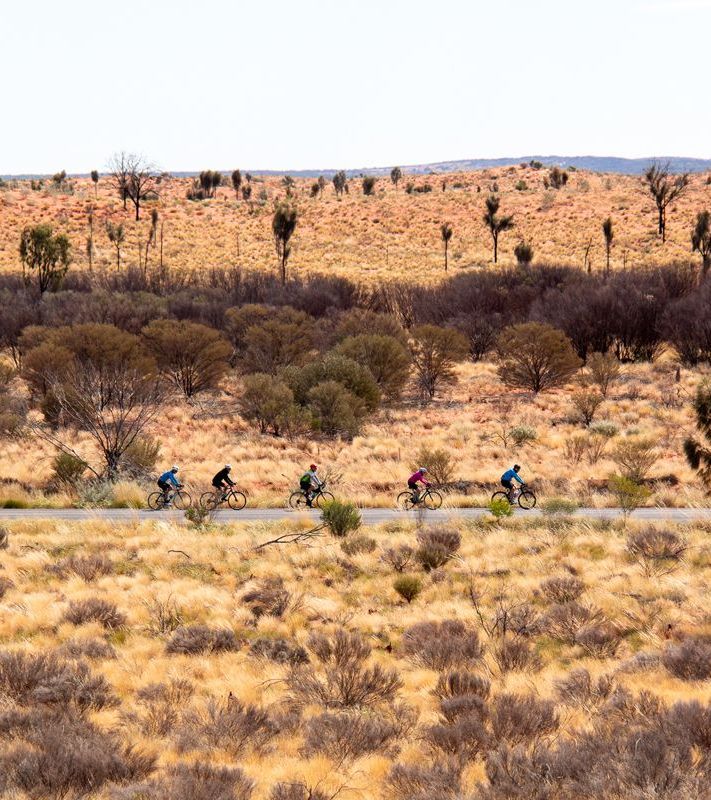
(371, 516)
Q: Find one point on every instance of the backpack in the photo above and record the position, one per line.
(305, 481)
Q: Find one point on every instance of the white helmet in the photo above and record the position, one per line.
(423, 469)
(228, 466)
(174, 468)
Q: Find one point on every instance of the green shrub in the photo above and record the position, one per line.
(523, 434)
(630, 495)
(13, 503)
(336, 412)
(341, 518)
(440, 464)
(96, 494)
(141, 456)
(267, 401)
(635, 457)
(67, 469)
(385, 357)
(524, 253)
(604, 428)
(353, 376)
(408, 587)
(500, 507)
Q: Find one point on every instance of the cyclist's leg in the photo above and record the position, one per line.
(509, 489)
(165, 488)
(415, 492)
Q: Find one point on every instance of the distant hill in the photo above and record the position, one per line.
(612, 164)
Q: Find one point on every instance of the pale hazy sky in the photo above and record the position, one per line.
(198, 84)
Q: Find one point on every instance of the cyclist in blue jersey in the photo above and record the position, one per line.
(509, 477)
(166, 480)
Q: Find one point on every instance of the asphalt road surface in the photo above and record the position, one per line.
(371, 516)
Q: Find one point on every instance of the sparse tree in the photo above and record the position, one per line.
(339, 182)
(283, 226)
(236, 181)
(117, 236)
(321, 184)
(396, 175)
(369, 185)
(95, 179)
(495, 223)
(119, 170)
(434, 353)
(608, 233)
(134, 178)
(701, 239)
(44, 255)
(665, 190)
(698, 454)
(446, 233)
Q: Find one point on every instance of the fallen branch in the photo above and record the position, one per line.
(294, 537)
(182, 552)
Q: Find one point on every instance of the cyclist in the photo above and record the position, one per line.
(507, 480)
(414, 479)
(222, 480)
(310, 481)
(165, 481)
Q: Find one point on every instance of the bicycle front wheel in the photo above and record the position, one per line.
(405, 501)
(323, 498)
(181, 500)
(432, 500)
(297, 500)
(500, 496)
(155, 501)
(237, 500)
(209, 501)
(527, 499)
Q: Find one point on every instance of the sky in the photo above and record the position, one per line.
(311, 84)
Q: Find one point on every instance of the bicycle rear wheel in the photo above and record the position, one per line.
(500, 496)
(527, 499)
(237, 500)
(155, 501)
(322, 498)
(209, 500)
(432, 500)
(297, 499)
(181, 500)
(405, 501)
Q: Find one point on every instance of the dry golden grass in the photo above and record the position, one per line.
(502, 562)
(392, 234)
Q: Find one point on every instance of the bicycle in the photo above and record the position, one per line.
(430, 499)
(234, 498)
(177, 498)
(525, 497)
(319, 497)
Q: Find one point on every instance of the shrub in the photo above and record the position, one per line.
(564, 620)
(93, 649)
(353, 377)
(94, 609)
(689, 660)
(436, 546)
(358, 544)
(557, 178)
(141, 456)
(4, 538)
(335, 410)
(578, 688)
(281, 651)
(200, 781)
(586, 403)
(523, 434)
(68, 469)
(270, 598)
(5, 585)
(442, 645)
(558, 505)
(435, 351)
(464, 737)
(516, 655)
(398, 557)
(500, 508)
(369, 185)
(630, 495)
(563, 589)
(605, 429)
(523, 251)
(635, 457)
(604, 370)
(440, 780)
(88, 568)
(193, 356)
(267, 401)
(535, 356)
(599, 641)
(352, 323)
(461, 684)
(192, 639)
(277, 343)
(296, 791)
(518, 718)
(408, 587)
(440, 464)
(161, 705)
(385, 357)
(657, 551)
(346, 735)
(341, 518)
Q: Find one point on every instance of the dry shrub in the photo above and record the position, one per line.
(658, 552)
(94, 609)
(43, 678)
(516, 655)
(348, 735)
(4, 538)
(437, 546)
(5, 585)
(442, 645)
(635, 457)
(55, 756)
(346, 681)
(517, 718)
(232, 726)
(440, 779)
(165, 615)
(398, 558)
(693, 721)
(280, 651)
(270, 598)
(196, 781)
(599, 641)
(564, 620)
(358, 544)
(460, 684)
(562, 589)
(161, 705)
(191, 639)
(464, 737)
(578, 689)
(88, 568)
(93, 649)
(296, 790)
(689, 660)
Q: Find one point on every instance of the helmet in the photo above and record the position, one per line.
(517, 467)
(423, 469)
(313, 466)
(174, 468)
(228, 466)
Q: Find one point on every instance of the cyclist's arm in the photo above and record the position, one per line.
(518, 478)
(173, 480)
(230, 481)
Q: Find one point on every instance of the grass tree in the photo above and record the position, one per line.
(609, 235)
(446, 233)
(95, 179)
(117, 236)
(665, 190)
(283, 226)
(396, 175)
(236, 181)
(698, 453)
(495, 222)
(701, 239)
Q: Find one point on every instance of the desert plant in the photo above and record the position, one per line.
(698, 454)
(345, 735)
(524, 253)
(562, 589)
(93, 649)
(557, 178)
(500, 507)
(199, 780)
(440, 779)
(369, 185)
(598, 641)
(604, 370)
(446, 232)
(341, 517)
(196, 639)
(396, 175)
(440, 464)
(689, 660)
(340, 182)
(398, 557)
(578, 688)
(665, 190)
(283, 226)
(535, 356)
(355, 545)
(495, 223)
(635, 457)
(630, 494)
(657, 550)
(701, 239)
(269, 598)
(408, 587)
(442, 645)
(436, 546)
(586, 403)
(434, 352)
(94, 609)
(280, 651)
(523, 435)
(518, 718)
(5, 585)
(513, 654)
(68, 469)
(45, 255)
(161, 705)
(461, 684)
(385, 357)
(609, 235)
(267, 401)
(88, 568)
